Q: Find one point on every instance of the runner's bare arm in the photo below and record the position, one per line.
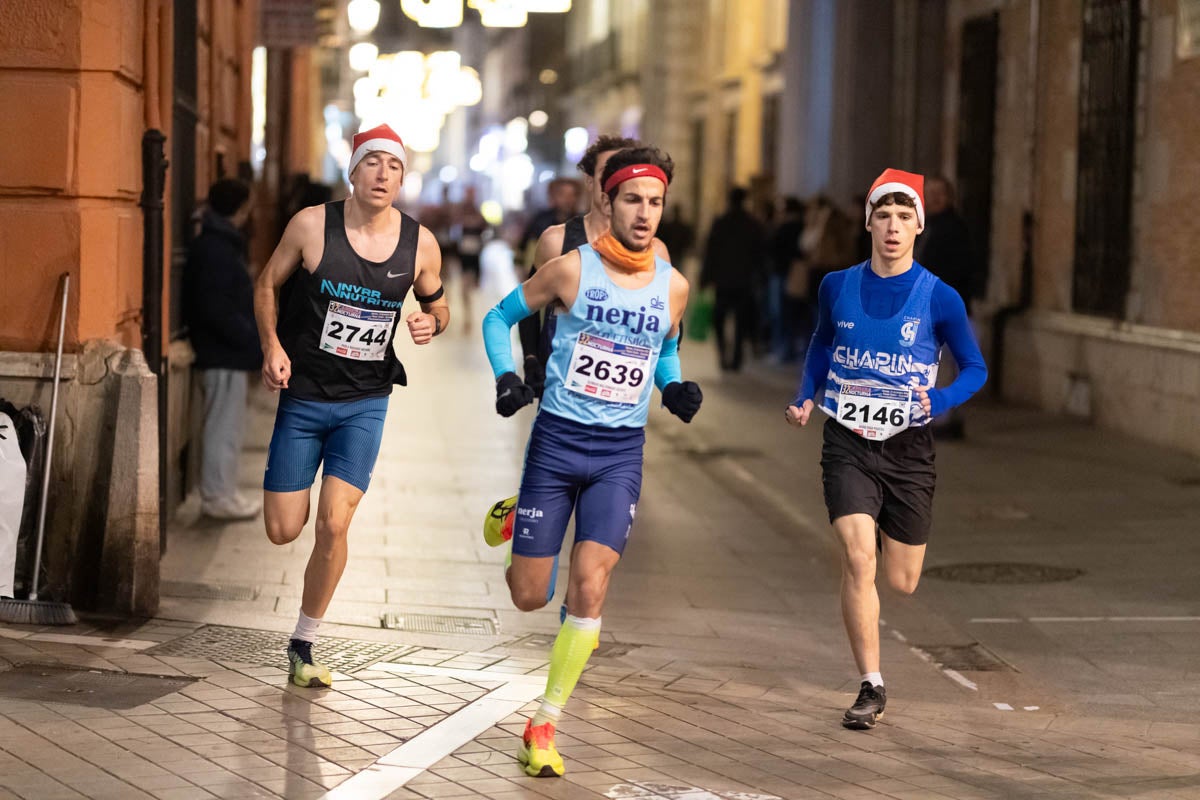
(661, 251)
(679, 298)
(549, 245)
(287, 258)
(557, 279)
(434, 316)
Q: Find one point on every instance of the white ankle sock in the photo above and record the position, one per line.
(874, 678)
(547, 712)
(306, 628)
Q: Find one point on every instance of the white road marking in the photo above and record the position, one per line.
(1007, 620)
(958, 678)
(1003, 706)
(678, 792)
(74, 638)
(1032, 708)
(407, 761)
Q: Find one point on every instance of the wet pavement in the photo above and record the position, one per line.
(1065, 668)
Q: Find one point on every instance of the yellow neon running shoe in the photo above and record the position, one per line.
(538, 754)
(498, 524)
(303, 670)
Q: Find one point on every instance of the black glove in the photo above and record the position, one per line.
(682, 399)
(535, 376)
(511, 394)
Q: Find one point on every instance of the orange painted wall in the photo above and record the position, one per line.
(70, 76)
(73, 85)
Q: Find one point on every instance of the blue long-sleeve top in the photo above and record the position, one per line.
(883, 298)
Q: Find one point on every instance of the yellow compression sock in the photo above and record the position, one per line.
(576, 639)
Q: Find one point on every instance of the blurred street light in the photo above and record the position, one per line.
(538, 119)
(362, 56)
(363, 14)
(500, 13)
(434, 13)
(575, 142)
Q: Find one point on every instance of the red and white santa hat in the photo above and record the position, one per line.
(378, 139)
(894, 180)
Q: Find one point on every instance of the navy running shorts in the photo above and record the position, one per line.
(589, 469)
(891, 480)
(345, 436)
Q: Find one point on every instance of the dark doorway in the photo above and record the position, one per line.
(977, 134)
(1103, 190)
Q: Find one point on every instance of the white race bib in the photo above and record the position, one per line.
(608, 370)
(356, 333)
(873, 412)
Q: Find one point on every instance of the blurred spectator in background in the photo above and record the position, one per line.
(733, 261)
(787, 313)
(467, 233)
(218, 298)
(828, 242)
(563, 194)
(944, 248)
(677, 235)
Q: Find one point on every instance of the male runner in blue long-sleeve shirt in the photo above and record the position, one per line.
(872, 367)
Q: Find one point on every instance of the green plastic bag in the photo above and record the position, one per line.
(699, 317)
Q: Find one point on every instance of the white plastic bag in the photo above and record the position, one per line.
(12, 498)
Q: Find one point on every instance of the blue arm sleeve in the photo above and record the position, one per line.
(952, 327)
(496, 326)
(816, 362)
(668, 369)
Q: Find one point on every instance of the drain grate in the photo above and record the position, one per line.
(249, 646)
(438, 623)
(210, 591)
(966, 658)
(86, 687)
(1002, 573)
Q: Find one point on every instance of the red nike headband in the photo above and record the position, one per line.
(635, 171)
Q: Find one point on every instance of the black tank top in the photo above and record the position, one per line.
(337, 323)
(574, 237)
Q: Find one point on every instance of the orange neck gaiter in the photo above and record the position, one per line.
(621, 257)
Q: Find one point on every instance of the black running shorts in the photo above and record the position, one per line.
(891, 480)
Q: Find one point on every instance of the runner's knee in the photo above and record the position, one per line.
(528, 598)
(282, 529)
(903, 581)
(859, 564)
(330, 532)
(587, 593)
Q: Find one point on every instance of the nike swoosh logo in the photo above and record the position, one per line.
(397, 275)
(636, 171)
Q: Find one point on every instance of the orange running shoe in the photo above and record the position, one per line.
(538, 753)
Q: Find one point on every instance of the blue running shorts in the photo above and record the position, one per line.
(589, 469)
(345, 436)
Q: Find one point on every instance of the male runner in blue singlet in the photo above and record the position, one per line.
(537, 330)
(618, 332)
(871, 368)
(328, 346)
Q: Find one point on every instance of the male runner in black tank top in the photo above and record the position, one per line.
(329, 349)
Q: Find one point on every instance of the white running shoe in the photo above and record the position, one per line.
(231, 508)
